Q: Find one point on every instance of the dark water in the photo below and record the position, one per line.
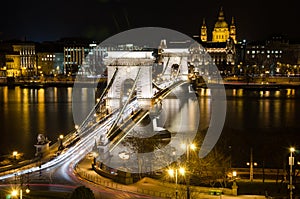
(267, 121)
(24, 113)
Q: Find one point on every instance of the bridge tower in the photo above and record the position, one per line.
(174, 60)
(131, 68)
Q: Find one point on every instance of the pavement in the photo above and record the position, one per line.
(148, 186)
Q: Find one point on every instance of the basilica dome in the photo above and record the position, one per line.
(221, 24)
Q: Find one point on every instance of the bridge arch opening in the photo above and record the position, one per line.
(126, 88)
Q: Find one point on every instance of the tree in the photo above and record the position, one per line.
(214, 167)
(82, 192)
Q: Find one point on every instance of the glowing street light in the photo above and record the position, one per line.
(14, 193)
(27, 190)
(15, 153)
(188, 147)
(291, 163)
(234, 174)
(60, 138)
(171, 173)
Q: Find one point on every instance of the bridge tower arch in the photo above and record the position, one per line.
(131, 67)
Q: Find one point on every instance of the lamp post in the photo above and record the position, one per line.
(188, 148)
(291, 163)
(60, 138)
(15, 153)
(251, 164)
(17, 192)
(171, 174)
(234, 185)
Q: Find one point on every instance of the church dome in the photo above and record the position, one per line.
(221, 24)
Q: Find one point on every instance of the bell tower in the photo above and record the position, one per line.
(203, 33)
(232, 31)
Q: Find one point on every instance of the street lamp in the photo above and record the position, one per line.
(171, 174)
(16, 192)
(188, 147)
(291, 163)
(251, 164)
(60, 138)
(234, 185)
(15, 153)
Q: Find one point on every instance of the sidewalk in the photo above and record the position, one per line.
(149, 186)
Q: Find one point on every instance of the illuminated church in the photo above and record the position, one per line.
(222, 45)
(221, 32)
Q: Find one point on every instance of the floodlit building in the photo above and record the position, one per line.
(222, 46)
(27, 58)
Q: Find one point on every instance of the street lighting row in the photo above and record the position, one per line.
(183, 171)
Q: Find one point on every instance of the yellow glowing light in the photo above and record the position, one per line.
(61, 137)
(14, 193)
(234, 173)
(292, 149)
(171, 172)
(15, 153)
(193, 146)
(181, 170)
(27, 190)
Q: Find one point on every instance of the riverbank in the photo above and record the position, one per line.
(36, 84)
(102, 82)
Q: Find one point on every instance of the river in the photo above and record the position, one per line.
(267, 121)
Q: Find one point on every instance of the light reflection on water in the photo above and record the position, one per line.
(257, 119)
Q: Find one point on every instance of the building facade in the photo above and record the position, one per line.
(27, 58)
(50, 63)
(275, 56)
(222, 46)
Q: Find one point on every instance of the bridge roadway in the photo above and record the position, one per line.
(60, 169)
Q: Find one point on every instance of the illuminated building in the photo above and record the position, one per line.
(221, 32)
(73, 58)
(12, 64)
(27, 58)
(222, 47)
(275, 56)
(50, 63)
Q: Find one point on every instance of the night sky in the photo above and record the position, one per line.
(44, 20)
